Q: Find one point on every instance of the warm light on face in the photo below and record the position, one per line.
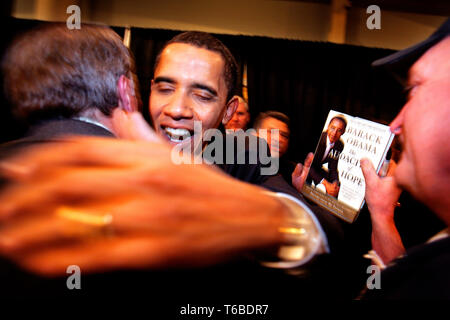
(282, 139)
(423, 125)
(188, 86)
(240, 118)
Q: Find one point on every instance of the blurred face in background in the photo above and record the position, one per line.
(281, 142)
(241, 117)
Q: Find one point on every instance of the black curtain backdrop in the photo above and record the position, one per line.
(303, 79)
(306, 79)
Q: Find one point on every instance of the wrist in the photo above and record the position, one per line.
(383, 224)
(301, 235)
(382, 216)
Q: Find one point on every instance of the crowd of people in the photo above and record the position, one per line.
(93, 185)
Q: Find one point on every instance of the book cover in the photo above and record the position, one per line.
(335, 180)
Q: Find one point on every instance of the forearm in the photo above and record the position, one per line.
(263, 215)
(386, 240)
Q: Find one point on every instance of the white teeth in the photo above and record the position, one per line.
(177, 134)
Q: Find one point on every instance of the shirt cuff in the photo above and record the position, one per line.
(304, 236)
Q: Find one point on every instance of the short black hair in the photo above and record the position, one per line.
(271, 114)
(340, 118)
(207, 41)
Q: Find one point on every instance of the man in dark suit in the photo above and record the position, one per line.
(328, 151)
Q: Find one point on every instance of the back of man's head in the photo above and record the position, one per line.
(56, 72)
(207, 41)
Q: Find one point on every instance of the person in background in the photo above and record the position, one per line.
(241, 117)
(278, 143)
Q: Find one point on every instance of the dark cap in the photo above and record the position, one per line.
(401, 61)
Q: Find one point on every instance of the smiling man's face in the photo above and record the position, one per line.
(188, 86)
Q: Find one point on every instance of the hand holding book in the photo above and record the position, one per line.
(335, 181)
(382, 194)
(301, 172)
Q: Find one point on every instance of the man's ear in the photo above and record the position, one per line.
(127, 96)
(232, 105)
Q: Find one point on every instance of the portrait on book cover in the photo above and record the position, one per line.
(324, 168)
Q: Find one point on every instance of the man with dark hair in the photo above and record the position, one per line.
(68, 82)
(279, 121)
(328, 150)
(272, 114)
(278, 144)
(194, 81)
(206, 41)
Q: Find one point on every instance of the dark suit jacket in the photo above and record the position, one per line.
(422, 274)
(316, 173)
(52, 130)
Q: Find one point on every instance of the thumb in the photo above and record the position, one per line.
(298, 170)
(309, 160)
(368, 170)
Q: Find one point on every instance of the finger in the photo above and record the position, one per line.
(132, 126)
(32, 234)
(57, 225)
(297, 171)
(309, 160)
(368, 170)
(85, 186)
(134, 251)
(307, 166)
(143, 252)
(71, 186)
(103, 254)
(98, 152)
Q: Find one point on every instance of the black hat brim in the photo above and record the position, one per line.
(400, 61)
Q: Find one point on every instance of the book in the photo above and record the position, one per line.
(335, 180)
